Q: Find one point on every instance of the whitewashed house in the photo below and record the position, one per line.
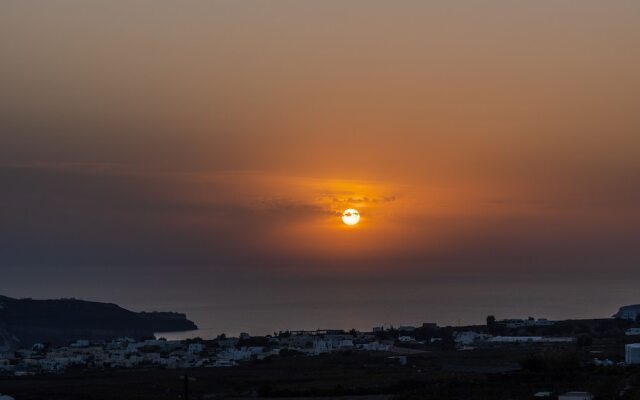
(299, 341)
(153, 358)
(234, 355)
(54, 365)
(5, 365)
(255, 350)
(531, 339)
(374, 346)
(603, 363)
(265, 354)
(119, 343)
(321, 346)
(195, 348)
(632, 353)
(38, 347)
(520, 323)
(466, 338)
(632, 332)
(576, 396)
(223, 362)
(170, 362)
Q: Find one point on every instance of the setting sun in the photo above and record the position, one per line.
(351, 216)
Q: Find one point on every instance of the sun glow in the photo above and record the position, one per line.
(351, 216)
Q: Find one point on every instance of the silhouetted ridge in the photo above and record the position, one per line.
(29, 321)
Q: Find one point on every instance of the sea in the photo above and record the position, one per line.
(364, 306)
(235, 301)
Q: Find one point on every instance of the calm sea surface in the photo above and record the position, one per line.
(235, 301)
(365, 306)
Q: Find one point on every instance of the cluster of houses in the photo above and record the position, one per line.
(222, 352)
(466, 339)
(229, 351)
(522, 323)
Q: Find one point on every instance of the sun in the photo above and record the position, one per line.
(351, 216)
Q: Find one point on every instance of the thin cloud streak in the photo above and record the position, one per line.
(70, 215)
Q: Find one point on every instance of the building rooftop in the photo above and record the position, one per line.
(577, 394)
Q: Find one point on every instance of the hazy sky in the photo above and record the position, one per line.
(485, 139)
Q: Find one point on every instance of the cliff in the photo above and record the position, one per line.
(28, 321)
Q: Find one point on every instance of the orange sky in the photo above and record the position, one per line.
(470, 136)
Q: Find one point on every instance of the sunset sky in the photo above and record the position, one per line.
(491, 140)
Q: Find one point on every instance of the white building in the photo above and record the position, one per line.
(322, 346)
(195, 348)
(170, 362)
(153, 358)
(80, 343)
(603, 363)
(374, 346)
(119, 343)
(55, 365)
(234, 355)
(38, 347)
(632, 332)
(628, 312)
(632, 353)
(223, 362)
(255, 350)
(5, 364)
(576, 396)
(530, 339)
(331, 343)
(520, 323)
(469, 337)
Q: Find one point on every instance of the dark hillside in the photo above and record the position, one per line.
(64, 320)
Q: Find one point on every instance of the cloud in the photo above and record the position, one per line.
(116, 216)
(364, 200)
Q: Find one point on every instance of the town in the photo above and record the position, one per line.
(603, 343)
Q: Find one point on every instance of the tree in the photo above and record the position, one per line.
(491, 320)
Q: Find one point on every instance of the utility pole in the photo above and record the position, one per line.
(186, 378)
(186, 387)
